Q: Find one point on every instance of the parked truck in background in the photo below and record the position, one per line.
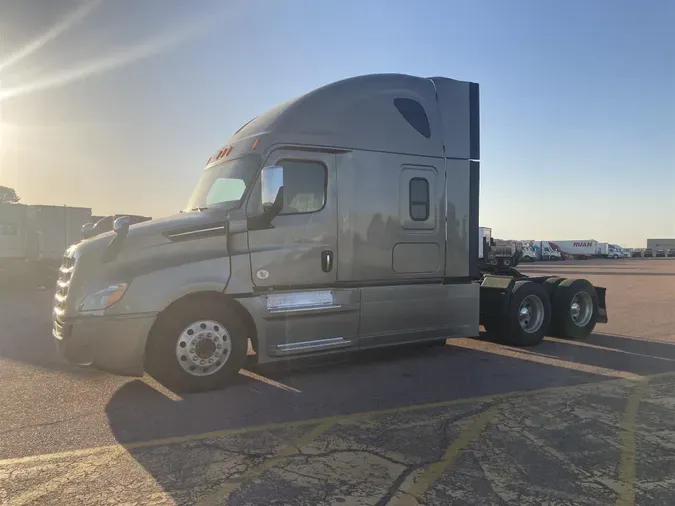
(529, 254)
(547, 250)
(341, 220)
(607, 250)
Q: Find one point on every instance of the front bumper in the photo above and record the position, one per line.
(111, 343)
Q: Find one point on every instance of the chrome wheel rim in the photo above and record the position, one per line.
(581, 309)
(203, 348)
(531, 314)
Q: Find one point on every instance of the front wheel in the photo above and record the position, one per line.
(197, 346)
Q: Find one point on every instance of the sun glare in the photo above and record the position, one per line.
(4, 138)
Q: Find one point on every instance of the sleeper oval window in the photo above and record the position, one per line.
(414, 113)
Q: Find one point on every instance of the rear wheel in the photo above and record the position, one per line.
(197, 346)
(575, 306)
(550, 284)
(529, 314)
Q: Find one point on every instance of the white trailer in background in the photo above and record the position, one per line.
(581, 249)
(33, 240)
(53, 229)
(484, 238)
(12, 232)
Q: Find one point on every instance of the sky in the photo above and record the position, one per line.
(117, 104)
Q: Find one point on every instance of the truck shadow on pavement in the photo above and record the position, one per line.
(155, 429)
(612, 355)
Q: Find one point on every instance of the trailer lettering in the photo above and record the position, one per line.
(581, 244)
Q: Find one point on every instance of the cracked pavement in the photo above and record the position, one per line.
(557, 446)
(588, 422)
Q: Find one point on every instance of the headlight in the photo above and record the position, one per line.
(103, 299)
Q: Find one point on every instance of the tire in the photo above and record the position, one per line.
(573, 323)
(550, 284)
(532, 297)
(199, 327)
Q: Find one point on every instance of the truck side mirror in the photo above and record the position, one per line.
(492, 241)
(121, 225)
(272, 185)
(87, 230)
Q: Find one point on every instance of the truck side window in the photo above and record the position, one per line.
(419, 199)
(414, 113)
(304, 186)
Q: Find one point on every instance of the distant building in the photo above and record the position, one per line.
(660, 243)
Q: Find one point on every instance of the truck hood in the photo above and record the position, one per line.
(156, 232)
(183, 223)
(149, 247)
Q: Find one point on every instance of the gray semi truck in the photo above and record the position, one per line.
(340, 220)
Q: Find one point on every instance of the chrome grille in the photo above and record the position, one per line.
(63, 284)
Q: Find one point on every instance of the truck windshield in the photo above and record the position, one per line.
(223, 185)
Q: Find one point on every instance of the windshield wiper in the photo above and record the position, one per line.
(200, 209)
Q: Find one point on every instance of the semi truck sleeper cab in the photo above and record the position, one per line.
(343, 219)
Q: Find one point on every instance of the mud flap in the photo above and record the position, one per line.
(602, 305)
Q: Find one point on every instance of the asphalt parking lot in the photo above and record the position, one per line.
(474, 422)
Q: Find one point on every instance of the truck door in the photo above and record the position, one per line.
(294, 261)
(300, 247)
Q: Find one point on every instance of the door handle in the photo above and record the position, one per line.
(326, 261)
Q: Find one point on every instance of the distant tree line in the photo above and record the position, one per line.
(8, 195)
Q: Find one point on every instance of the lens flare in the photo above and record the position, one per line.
(68, 21)
(171, 37)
